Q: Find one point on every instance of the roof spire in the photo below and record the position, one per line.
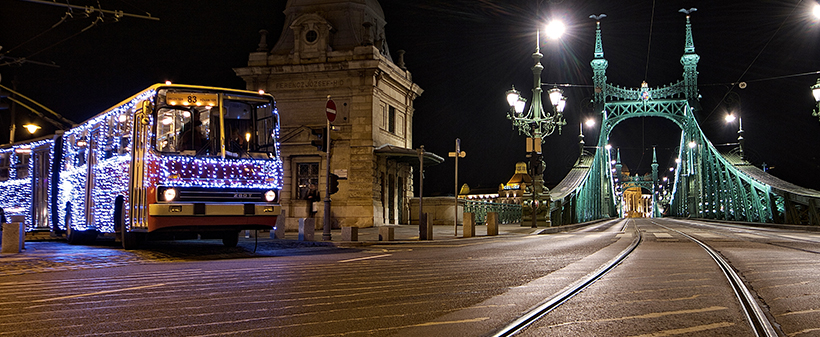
(599, 46)
(689, 48)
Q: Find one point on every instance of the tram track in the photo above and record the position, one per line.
(556, 300)
(754, 313)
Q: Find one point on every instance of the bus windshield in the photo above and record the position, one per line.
(189, 123)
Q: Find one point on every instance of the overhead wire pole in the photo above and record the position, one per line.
(456, 155)
(330, 111)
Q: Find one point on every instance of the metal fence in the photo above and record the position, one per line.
(507, 213)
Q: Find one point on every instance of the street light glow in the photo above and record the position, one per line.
(512, 96)
(555, 29)
(555, 96)
(816, 11)
(31, 128)
(730, 118)
(692, 144)
(590, 122)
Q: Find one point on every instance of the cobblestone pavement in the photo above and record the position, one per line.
(57, 255)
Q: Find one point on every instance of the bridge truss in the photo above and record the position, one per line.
(707, 184)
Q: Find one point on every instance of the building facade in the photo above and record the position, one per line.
(337, 49)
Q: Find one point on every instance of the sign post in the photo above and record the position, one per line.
(456, 155)
(330, 110)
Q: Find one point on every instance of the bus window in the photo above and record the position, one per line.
(238, 128)
(185, 130)
(266, 128)
(4, 166)
(22, 165)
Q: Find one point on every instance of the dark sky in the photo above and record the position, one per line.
(465, 55)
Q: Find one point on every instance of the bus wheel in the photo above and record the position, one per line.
(230, 238)
(75, 237)
(130, 240)
(71, 235)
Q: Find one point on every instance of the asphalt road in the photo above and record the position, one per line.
(465, 287)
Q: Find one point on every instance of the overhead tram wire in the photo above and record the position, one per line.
(763, 79)
(645, 76)
(754, 60)
(87, 9)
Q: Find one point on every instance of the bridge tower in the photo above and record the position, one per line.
(707, 183)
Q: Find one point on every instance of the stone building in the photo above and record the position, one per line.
(337, 48)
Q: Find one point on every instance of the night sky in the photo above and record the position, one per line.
(465, 55)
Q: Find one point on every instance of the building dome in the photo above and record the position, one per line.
(331, 25)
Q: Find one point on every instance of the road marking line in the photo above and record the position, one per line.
(471, 320)
(662, 235)
(98, 293)
(645, 316)
(688, 330)
(803, 331)
(810, 311)
(365, 258)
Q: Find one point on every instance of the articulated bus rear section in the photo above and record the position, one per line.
(172, 160)
(26, 183)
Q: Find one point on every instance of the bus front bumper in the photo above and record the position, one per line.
(213, 209)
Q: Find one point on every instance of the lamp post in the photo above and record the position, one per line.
(815, 90)
(537, 123)
(731, 118)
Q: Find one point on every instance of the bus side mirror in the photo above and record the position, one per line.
(144, 112)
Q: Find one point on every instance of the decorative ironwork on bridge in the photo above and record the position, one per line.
(707, 184)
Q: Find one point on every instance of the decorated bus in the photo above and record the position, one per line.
(173, 159)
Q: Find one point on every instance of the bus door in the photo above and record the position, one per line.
(90, 177)
(40, 187)
(138, 200)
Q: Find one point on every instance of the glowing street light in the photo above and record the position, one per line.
(816, 11)
(555, 29)
(32, 128)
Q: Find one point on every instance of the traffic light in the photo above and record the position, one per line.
(334, 183)
(321, 134)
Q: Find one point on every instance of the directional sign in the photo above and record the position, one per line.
(331, 110)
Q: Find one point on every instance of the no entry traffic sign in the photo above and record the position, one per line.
(331, 110)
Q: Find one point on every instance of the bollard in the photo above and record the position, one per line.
(278, 232)
(469, 225)
(385, 233)
(306, 229)
(14, 236)
(350, 233)
(492, 223)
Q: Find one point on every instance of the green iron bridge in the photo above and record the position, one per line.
(707, 184)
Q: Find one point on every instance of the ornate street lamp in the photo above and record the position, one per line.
(815, 90)
(537, 123)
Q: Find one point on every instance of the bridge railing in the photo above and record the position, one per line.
(507, 213)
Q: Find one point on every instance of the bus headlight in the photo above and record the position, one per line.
(270, 195)
(169, 194)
